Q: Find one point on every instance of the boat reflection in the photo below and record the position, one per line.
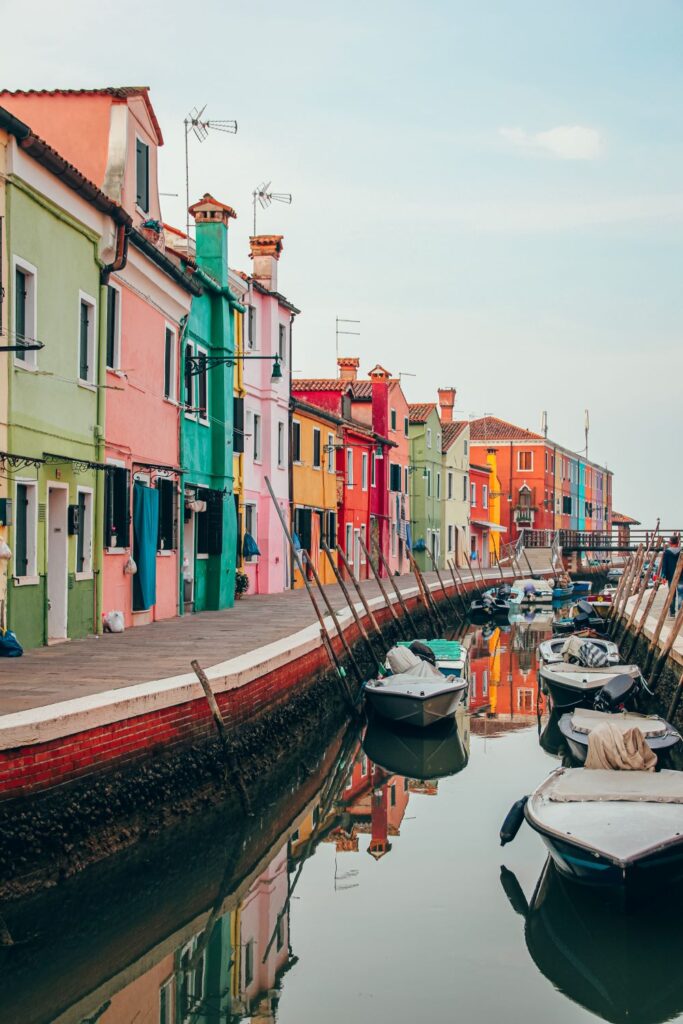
(425, 755)
(621, 967)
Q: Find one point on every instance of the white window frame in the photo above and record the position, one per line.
(349, 467)
(87, 382)
(254, 515)
(285, 338)
(257, 437)
(30, 361)
(330, 453)
(171, 397)
(117, 330)
(31, 578)
(86, 574)
(318, 431)
(364, 471)
(473, 494)
(528, 469)
(484, 496)
(429, 437)
(280, 444)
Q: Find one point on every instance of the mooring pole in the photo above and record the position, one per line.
(396, 589)
(667, 648)
(461, 597)
(357, 619)
(626, 592)
(474, 582)
(433, 614)
(438, 576)
(642, 621)
(395, 616)
(670, 595)
(333, 615)
(361, 595)
(230, 762)
(640, 595)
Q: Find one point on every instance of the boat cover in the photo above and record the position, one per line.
(627, 751)
(585, 651)
(585, 720)
(576, 785)
(401, 661)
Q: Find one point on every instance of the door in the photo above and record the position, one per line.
(57, 562)
(356, 553)
(349, 543)
(188, 559)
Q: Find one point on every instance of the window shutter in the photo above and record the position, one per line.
(238, 425)
(166, 540)
(111, 325)
(108, 505)
(83, 366)
(21, 532)
(142, 174)
(123, 512)
(305, 528)
(214, 514)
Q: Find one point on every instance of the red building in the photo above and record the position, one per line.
(480, 489)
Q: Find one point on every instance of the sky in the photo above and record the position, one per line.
(494, 190)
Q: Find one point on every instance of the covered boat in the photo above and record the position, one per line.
(576, 726)
(573, 685)
(416, 693)
(557, 649)
(581, 587)
(531, 591)
(428, 754)
(449, 656)
(611, 829)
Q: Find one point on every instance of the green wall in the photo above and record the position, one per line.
(425, 509)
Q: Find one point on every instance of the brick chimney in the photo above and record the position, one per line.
(446, 403)
(380, 399)
(348, 367)
(265, 251)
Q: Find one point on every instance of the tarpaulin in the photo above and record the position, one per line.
(145, 532)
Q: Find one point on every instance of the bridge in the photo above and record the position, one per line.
(619, 539)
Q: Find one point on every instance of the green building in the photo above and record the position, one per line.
(209, 534)
(55, 315)
(426, 484)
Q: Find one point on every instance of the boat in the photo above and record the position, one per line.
(530, 591)
(410, 699)
(600, 603)
(616, 966)
(581, 587)
(577, 725)
(561, 594)
(449, 656)
(583, 616)
(611, 829)
(428, 754)
(610, 590)
(552, 651)
(574, 685)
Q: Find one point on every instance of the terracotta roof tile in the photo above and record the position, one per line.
(419, 411)
(361, 390)
(490, 428)
(121, 92)
(619, 519)
(321, 384)
(450, 432)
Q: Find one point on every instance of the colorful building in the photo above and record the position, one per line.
(5, 363)
(455, 506)
(425, 483)
(316, 437)
(480, 485)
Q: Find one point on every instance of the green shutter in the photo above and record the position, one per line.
(85, 324)
(20, 309)
(21, 532)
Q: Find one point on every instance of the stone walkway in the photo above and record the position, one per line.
(79, 668)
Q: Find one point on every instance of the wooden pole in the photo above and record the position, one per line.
(327, 642)
(675, 701)
(666, 649)
(500, 570)
(375, 573)
(397, 590)
(469, 562)
(641, 593)
(671, 592)
(641, 622)
(357, 619)
(626, 592)
(361, 595)
(458, 574)
(333, 615)
(526, 559)
(457, 589)
(620, 588)
(433, 617)
(438, 576)
(230, 763)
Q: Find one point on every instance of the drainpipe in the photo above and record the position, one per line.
(290, 467)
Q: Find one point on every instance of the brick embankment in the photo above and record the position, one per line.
(673, 669)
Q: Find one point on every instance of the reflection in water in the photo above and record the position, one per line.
(503, 683)
(622, 967)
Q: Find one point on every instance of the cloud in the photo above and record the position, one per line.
(566, 142)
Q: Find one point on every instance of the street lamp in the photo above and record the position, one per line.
(196, 364)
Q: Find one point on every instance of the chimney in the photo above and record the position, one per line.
(265, 251)
(380, 399)
(348, 367)
(446, 403)
(212, 219)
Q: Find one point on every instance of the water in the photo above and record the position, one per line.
(360, 894)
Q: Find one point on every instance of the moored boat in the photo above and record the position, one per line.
(415, 700)
(531, 592)
(553, 651)
(576, 726)
(449, 656)
(573, 685)
(581, 587)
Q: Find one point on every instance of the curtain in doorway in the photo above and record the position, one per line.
(145, 531)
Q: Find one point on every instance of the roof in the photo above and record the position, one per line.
(119, 92)
(419, 412)
(257, 286)
(480, 469)
(321, 384)
(490, 428)
(450, 432)
(619, 519)
(315, 410)
(361, 390)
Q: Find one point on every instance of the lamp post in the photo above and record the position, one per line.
(196, 364)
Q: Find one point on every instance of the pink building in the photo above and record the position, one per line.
(264, 925)
(267, 333)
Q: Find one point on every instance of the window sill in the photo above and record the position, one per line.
(19, 364)
(201, 558)
(116, 551)
(87, 385)
(26, 581)
(170, 400)
(203, 423)
(165, 552)
(81, 576)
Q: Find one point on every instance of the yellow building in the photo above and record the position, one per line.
(316, 434)
(495, 494)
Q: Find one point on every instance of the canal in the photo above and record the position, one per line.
(373, 888)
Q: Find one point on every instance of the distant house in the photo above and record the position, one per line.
(426, 484)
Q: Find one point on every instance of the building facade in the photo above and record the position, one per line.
(425, 483)
(455, 506)
(316, 437)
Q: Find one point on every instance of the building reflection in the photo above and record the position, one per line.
(503, 685)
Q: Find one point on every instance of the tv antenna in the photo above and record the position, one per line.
(586, 427)
(337, 333)
(200, 127)
(264, 197)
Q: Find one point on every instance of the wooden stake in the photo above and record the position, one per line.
(357, 619)
(397, 590)
(433, 618)
(642, 621)
(230, 762)
(361, 595)
(395, 616)
(438, 576)
(620, 587)
(671, 592)
(457, 588)
(666, 649)
(333, 615)
(641, 593)
(626, 592)
(675, 700)
(469, 562)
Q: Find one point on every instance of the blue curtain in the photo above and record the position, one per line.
(145, 533)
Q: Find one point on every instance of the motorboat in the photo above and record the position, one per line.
(449, 656)
(582, 587)
(489, 605)
(429, 754)
(556, 650)
(616, 966)
(574, 685)
(583, 616)
(561, 594)
(415, 692)
(610, 590)
(600, 603)
(531, 592)
(576, 726)
(611, 828)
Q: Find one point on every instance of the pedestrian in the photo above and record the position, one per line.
(670, 558)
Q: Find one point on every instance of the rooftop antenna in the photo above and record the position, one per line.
(200, 127)
(544, 423)
(586, 427)
(264, 197)
(343, 320)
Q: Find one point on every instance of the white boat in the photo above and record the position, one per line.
(531, 592)
(416, 700)
(571, 685)
(552, 652)
(577, 725)
(609, 828)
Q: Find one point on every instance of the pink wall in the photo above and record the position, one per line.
(258, 917)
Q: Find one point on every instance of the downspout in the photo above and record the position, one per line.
(290, 467)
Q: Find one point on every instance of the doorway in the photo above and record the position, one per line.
(57, 561)
(188, 560)
(356, 554)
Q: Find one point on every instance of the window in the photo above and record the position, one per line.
(331, 529)
(364, 538)
(166, 1003)
(395, 477)
(256, 437)
(169, 363)
(406, 425)
(296, 441)
(117, 507)
(464, 487)
(142, 174)
(546, 461)
(248, 963)
(210, 522)
(393, 419)
(392, 795)
(251, 326)
(237, 425)
(282, 341)
(465, 447)
(449, 484)
(429, 483)
(525, 460)
(406, 477)
(473, 495)
(451, 534)
(429, 437)
(330, 454)
(317, 462)
(166, 535)
(84, 533)
(364, 471)
(25, 326)
(250, 527)
(484, 496)
(87, 367)
(281, 444)
(566, 505)
(438, 442)
(113, 327)
(438, 486)
(203, 388)
(26, 530)
(349, 467)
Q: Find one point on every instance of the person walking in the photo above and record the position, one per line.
(670, 558)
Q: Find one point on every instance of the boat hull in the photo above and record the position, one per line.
(577, 743)
(418, 712)
(565, 696)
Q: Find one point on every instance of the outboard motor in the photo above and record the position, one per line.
(423, 651)
(620, 694)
